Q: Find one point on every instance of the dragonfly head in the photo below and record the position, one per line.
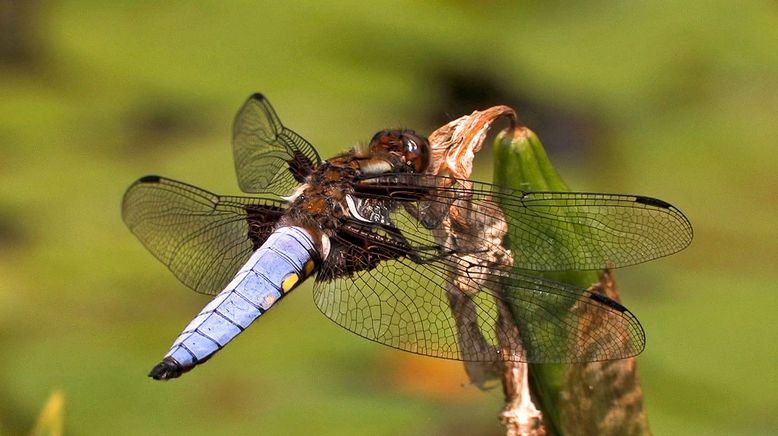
(403, 149)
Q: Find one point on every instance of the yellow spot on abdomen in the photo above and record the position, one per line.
(309, 267)
(289, 282)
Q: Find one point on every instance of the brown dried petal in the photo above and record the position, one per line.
(454, 145)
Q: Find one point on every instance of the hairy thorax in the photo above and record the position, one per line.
(319, 205)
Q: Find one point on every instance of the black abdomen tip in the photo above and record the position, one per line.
(167, 369)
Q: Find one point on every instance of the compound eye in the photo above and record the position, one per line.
(380, 138)
(416, 151)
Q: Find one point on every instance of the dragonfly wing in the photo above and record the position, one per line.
(557, 231)
(269, 158)
(201, 237)
(403, 296)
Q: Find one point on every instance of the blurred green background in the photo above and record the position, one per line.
(672, 99)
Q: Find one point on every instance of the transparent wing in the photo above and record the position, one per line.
(403, 297)
(557, 231)
(436, 246)
(201, 237)
(268, 156)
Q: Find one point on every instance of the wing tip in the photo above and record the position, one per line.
(257, 96)
(682, 220)
(607, 301)
(651, 201)
(151, 178)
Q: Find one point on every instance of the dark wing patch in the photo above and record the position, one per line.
(269, 158)
(201, 237)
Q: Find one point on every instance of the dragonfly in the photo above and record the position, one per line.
(391, 246)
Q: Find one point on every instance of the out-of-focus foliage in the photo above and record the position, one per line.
(668, 99)
(51, 421)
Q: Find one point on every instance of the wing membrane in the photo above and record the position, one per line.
(407, 305)
(560, 231)
(201, 237)
(268, 156)
(452, 255)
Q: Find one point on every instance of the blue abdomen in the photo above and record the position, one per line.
(282, 262)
